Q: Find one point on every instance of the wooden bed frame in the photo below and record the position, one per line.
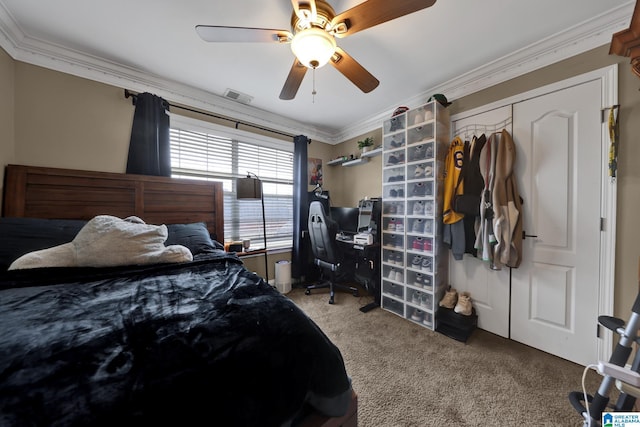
(39, 192)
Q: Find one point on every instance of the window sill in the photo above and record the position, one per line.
(260, 252)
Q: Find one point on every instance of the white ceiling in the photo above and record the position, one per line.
(454, 47)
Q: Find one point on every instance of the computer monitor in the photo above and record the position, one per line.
(366, 218)
(347, 218)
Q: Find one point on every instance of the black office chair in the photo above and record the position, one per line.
(326, 254)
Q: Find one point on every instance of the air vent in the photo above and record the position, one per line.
(238, 96)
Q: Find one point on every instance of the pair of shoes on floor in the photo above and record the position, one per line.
(460, 303)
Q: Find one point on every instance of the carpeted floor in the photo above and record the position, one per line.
(406, 375)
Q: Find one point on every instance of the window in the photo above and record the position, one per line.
(203, 150)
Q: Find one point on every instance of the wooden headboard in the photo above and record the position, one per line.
(38, 192)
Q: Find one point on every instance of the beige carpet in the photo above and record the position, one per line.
(406, 375)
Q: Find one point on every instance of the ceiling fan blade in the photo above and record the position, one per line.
(352, 70)
(373, 12)
(294, 80)
(213, 33)
(308, 13)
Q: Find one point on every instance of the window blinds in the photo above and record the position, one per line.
(201, 155)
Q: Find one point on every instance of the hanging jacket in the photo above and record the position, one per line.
(453, 169)
(485, 239)
(473, 185)
(453, 227)
(507, 206)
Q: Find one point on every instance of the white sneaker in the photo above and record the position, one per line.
(416, 298)
(428, 284)
(418, 208)
(428, 227)
(417, 315)
(427, 320)
(399, 277)
(429, 210)
(417, 262)
(419, 281)
(425, 301)
(399, 259)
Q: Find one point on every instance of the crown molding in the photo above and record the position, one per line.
(578, 39)
(575, 40)
(51, 56)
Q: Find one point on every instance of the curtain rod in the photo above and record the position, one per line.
(133, 96)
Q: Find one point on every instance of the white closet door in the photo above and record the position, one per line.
(489, 288)
(555, 290)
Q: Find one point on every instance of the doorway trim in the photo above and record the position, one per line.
(608, 77)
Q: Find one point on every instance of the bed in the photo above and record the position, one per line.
(199, 341)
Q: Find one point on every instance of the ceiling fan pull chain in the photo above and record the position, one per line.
(313, 93)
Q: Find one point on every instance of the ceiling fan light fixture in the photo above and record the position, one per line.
(313, 47)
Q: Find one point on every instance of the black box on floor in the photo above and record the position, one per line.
(455, 325)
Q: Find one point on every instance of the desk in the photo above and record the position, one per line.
(365, 261)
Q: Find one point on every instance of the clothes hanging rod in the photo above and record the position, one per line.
(475, 127)
(133, 96)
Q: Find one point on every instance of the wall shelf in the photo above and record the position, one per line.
(372, 153)
(338, 161)
(364, 158)
(356, 162)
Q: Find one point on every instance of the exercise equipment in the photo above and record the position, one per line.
(614, 372)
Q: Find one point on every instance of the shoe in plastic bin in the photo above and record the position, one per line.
(418, 281)
(427, 283)
(416, 262)
(418, 207)
(416, 298)
(427, 264)
(399, 259)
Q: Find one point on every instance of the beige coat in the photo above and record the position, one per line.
(507, 206)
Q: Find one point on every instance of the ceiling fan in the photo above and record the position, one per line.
(314, 27)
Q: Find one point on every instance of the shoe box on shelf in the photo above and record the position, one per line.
(414, 259)
(456, 325)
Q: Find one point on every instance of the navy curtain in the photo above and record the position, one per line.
(300, 208)
(149, 151)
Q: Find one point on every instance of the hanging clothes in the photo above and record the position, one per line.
(453, 228)
(473, 186)
(507, 206)
(452, 170)
(485, 239)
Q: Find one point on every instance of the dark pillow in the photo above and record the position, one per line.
(23, 235)
(194, 236)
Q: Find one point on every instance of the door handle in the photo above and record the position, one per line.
(525, 235)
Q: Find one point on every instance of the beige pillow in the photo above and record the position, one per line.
(108, 241)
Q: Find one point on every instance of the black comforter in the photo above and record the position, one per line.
(202, 343)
